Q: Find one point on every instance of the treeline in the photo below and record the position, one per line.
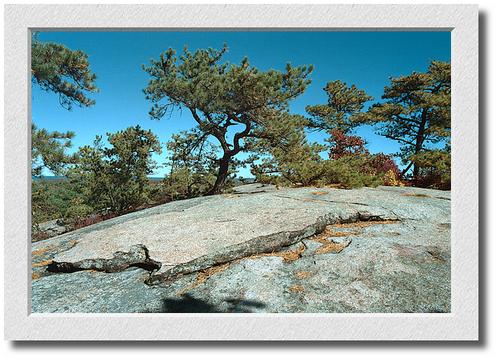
(238, 109)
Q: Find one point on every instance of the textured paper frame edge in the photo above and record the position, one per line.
(460, 324)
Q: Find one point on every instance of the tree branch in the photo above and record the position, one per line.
(240, 135)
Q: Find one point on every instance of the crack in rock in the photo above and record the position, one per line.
(305, 199)
(259, 245)
(138, 256)
(326, 238)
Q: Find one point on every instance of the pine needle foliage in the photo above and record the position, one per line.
(222, 96)
(65, 72)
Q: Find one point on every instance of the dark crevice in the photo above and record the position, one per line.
(441, 198)
(138, 256)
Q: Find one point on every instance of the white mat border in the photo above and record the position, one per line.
(461, 324)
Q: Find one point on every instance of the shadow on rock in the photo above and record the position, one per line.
(240, 305)
(189, 304)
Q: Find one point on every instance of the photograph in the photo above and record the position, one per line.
(240, 171)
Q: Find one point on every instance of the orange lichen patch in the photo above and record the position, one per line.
(35, 276)
(42, 263)
(329, 246)
(202, 276)
(332, 247)
(331, 232)
(303, 274)
(205, 274)
(296, 288)
(321, 240)
(42, 250)
(340, 233)
(319, 192)
(288, 256)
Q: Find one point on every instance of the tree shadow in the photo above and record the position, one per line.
(244, 306)
(189, 304)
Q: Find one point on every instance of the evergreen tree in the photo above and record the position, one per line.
(66, 72)
(339, 113)
(222, 96)
(416, 111)
(283, 154)
(48, 150)
(115, 178)
(193, 165)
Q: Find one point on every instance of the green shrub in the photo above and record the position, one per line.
(184, 183)
(346, 172)
(351, 172)
(77, 211)
(114, 179)
(434, 169)
(50, 200)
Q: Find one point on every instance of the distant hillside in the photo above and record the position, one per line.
(238, 181)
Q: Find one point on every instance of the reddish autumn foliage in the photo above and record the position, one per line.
(383, 163)
(93, 219)
(345, 145)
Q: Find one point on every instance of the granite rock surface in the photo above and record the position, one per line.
(258, 249)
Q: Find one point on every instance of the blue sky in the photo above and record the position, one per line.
(366, 59)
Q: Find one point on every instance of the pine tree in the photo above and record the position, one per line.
(222, 96)
(48, 151)
(115, 178)
(66, 72)
(416, 112)
(342, 105)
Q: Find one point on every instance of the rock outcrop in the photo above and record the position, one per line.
(258, 249)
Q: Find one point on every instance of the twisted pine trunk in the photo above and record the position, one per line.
(221, 176)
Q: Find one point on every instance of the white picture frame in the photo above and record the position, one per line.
(460, 324)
